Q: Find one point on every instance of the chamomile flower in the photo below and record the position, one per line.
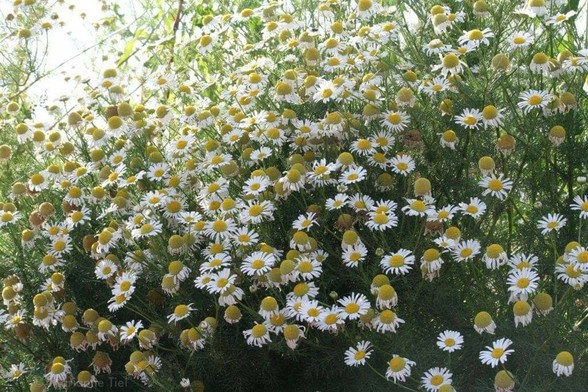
(258, 263)
(402, 164)
(580, 204)
(450, 341)
(435, 378)
(257, 336)
(579, 257)
(435, 86)
(476, 37)
(355, 356)
(330, 319)
(353, 175)
(398, 263)
(483, 322)
(180, 312)
(522, 282)
(572, 275)
(130, 330)
(399, 368)
(15, 371)
(354, 306)
(563, 364)
(416, 207)
(521, 40)
(495, 256)
(474, 208)
(523, 313)
(256, 185)
(551, 222)
(381, 221)
(339, 201)
(395, 121)
(105, 269)
(497, 353)
(465, 251)
(492, 116)
(534, 99)
(522, 261)
(353, 255)
(59, 373)
(387, 321)
(496, 186)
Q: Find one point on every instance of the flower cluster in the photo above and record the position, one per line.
(326, 183)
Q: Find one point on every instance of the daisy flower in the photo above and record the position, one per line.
(579, 257)
(130, 330)
(450, 341)
(395, 121)
(432, 259)
(495, 256)
(353, 175)
(180, 312)
(106, 330)
(148, 229)
(560, 18)
(571, 274)
(435, 378)
(244, 237)
(562, 364)
(256, 185)
(483, 323)
(551, 222)
(465, 250)
(381, 221)
(402, 164)
(105, 269)
(308, 268)
(476, 37)
(125, 284)
(330, 319)
(520, 40)
(523, 313)
(522, 283)
(492, 116)
(417, 207)
(220, 229)
(15, 371)
(475, 208)
(496, 186)
(353, 255)
(387, 321)
(363, 147)
(442, 215)
(497, 353)
(399, 368)
(449, 139)
(540, 64)
(522, 261)
(436, 85)
(450, 64)
(580, 204)
(58, 373)
(258, 263)
(354, 306)
(355, 356)
(257, 336)
(534, 99)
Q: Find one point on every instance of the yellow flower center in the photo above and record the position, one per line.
(495, 185)
(397, 364)
(352, 308)
(535, 100)
(437, 380)
(396, 261)
(523, 283)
